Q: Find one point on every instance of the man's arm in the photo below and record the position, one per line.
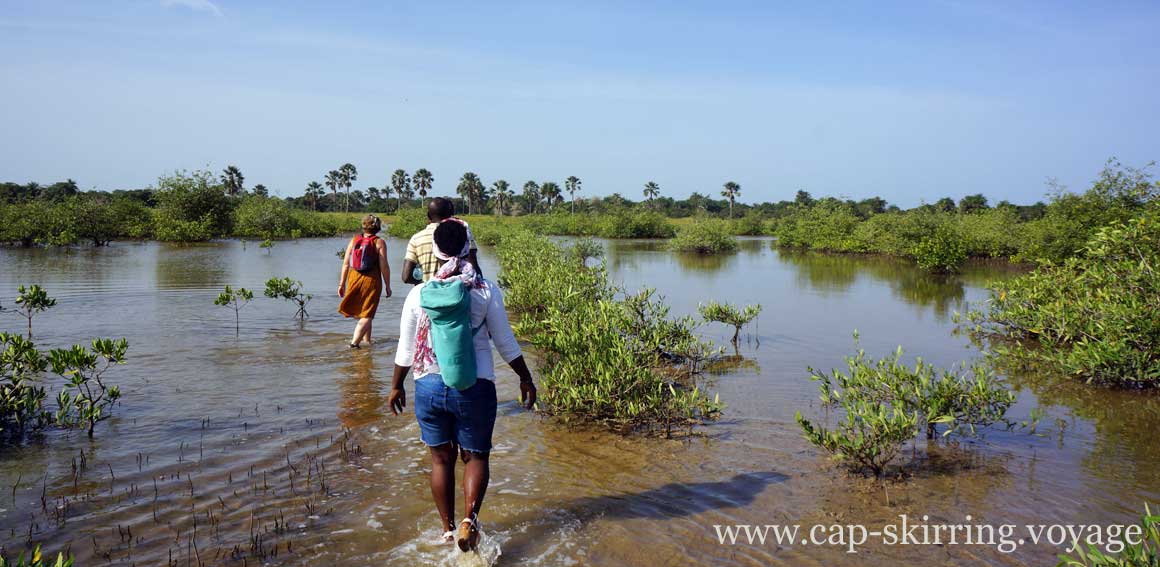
(409, 273)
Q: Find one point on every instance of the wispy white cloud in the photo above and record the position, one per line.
(196, 5)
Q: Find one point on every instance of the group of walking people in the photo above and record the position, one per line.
(450, 319)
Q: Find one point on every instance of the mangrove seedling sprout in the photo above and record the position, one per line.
(729, 314)
(31, 301)
(83, 369)
(290, 290)
(237, 299)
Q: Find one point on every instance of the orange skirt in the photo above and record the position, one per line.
(363, 292)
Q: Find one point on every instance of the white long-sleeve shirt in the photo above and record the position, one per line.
(486, 305)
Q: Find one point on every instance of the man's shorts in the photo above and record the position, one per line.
(464, 416)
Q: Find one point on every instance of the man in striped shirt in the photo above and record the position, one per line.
(419, 248)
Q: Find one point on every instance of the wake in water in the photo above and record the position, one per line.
(425, 550)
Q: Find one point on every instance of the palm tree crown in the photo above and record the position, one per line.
(471, 189)
(423, 180)
(347, 174)
(550, 192)
(651, 190)
(532, 196)
(233, 180)
(333, 182)
(503, 195)
(730, 192)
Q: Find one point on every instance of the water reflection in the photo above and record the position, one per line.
(838, 273)
(361, 400)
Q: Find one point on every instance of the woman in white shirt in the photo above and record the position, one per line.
(452, 420)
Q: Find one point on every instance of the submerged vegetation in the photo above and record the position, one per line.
(886, 403)
(608, 357)
(1095, 316)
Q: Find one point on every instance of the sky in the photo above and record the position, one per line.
(907, 101)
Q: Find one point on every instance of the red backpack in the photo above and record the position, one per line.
(363, 255)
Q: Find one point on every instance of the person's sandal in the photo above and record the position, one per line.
(468, 534)
(448, 538)
(354, 346)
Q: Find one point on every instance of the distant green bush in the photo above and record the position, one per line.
(886, 403)
(708, 236)
(265, 218)
(407, 222)
(192, 207)
(828, 225)
(1096, 316)
(752, 224)
(943, 252)
(634, 224)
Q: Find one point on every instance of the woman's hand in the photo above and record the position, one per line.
(342, 289)
(387, 292)
(397, 400)
(528, 394)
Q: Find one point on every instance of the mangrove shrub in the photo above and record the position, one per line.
(607, 357)
(886, 403)
(705, 237)
(729, 314)
(1096, 316)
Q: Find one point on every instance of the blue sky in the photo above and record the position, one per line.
(909, 101)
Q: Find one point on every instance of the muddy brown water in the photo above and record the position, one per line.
(276, 447)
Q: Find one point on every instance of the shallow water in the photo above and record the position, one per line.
(276, 446)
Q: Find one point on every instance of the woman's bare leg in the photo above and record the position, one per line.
(360, 330)
(367, 333)
(443, 482)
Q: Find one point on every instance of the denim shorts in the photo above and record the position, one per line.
(464, 416)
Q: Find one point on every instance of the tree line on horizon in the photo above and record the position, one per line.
(474, 196)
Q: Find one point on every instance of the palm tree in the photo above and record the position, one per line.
(385, 193)
(532, 196)
(423, 180)
(471, 189)
(333, 182)
(348, 175)
(551, 193)
(401, 183)
(313, 191)
(233, 180)
(503, 195)
(572, 185)
(651, 190)
(730, 192)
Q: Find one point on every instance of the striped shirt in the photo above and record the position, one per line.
(420, 249)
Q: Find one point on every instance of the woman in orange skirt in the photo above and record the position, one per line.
(360, 284)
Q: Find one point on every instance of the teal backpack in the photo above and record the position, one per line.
(448, 306)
